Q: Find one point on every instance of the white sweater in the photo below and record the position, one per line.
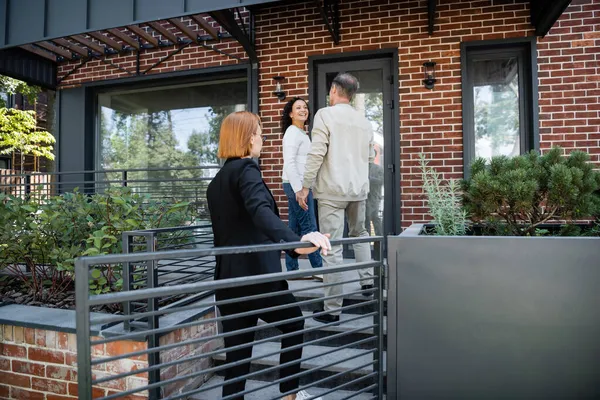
(337, 166)
(296, 146)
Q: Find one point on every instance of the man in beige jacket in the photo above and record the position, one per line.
(337, 170)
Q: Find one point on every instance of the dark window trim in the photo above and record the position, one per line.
(8, 161)
(528, 93)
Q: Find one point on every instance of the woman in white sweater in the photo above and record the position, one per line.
(296, 145)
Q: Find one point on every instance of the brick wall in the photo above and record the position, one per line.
(42, 364)
(187, 351)
(430, 121)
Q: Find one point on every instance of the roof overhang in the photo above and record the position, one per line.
(29, 21)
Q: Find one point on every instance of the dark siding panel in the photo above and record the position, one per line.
(25, 21)
(21, 64)
(71, 134)
(65, 16)
(118, 12)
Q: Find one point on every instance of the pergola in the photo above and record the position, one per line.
(36, 35)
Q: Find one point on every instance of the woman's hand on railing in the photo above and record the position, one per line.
(320, 240)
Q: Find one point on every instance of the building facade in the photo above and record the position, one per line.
(501, 86)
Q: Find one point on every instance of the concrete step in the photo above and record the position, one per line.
(348, 322)
(273, 392)
(359, 358)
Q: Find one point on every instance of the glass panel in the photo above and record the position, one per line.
(369, 101)
(496, 102)
(165, 128)
(4, 163)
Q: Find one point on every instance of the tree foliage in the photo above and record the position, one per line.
(19, 133)
(14, 86)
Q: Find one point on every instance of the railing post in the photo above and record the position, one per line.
(27, 187)
(126, 276)
(153, 323)
(124, 178)
(379, 328)
(82, 320)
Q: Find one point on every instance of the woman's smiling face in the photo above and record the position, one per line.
(299, 111)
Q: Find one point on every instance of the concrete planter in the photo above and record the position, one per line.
(478, 317)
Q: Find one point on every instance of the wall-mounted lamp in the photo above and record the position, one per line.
(429, 71)
(278, 91)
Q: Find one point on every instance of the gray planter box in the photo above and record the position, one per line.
(493, 317)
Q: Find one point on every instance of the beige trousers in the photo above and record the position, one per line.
(331, 220)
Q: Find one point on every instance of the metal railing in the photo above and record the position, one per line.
(98, 377)
(183, 184)
(167, 272)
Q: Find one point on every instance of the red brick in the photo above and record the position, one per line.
(22, 394)
(96, 391)
(11, 350)
(29, 335)
(48, 385)
(61, 373)
(28, 368)
(57, 397)
(63, 341)
(4, 364)
(48, 356)
(15, 379)
(4, 391)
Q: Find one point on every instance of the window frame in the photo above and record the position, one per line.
(8, 162)
(525, 50)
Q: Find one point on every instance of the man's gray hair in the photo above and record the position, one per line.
(346, 84)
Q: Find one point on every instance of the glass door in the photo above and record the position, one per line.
(374, 99)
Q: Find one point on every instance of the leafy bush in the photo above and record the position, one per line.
(519, 194)
(48, 235)
(444, 201)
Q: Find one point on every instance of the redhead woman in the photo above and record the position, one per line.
(296, 145)
(244, 212)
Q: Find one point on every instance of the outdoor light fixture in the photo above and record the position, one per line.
(278, 92)
(429, 70)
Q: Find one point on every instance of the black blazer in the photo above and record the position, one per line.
(244, 212)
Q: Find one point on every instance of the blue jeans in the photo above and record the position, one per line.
(301, 222)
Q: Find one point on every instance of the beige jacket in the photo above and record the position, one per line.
(337, 166)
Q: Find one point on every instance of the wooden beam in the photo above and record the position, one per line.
(106, 40)
(73, 47)
(56, 50)
(88, 43)
(125, 38)
(143, 34)
(163, 31)
(186, 30)
(39, 52)
(206, 26)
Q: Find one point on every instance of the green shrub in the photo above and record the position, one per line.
(520, 193)
(444, 201)
(47, 235)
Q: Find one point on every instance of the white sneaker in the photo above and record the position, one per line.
(303, 395)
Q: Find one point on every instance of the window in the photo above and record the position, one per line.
(165, 127)
(499, 84)
(4, 163)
